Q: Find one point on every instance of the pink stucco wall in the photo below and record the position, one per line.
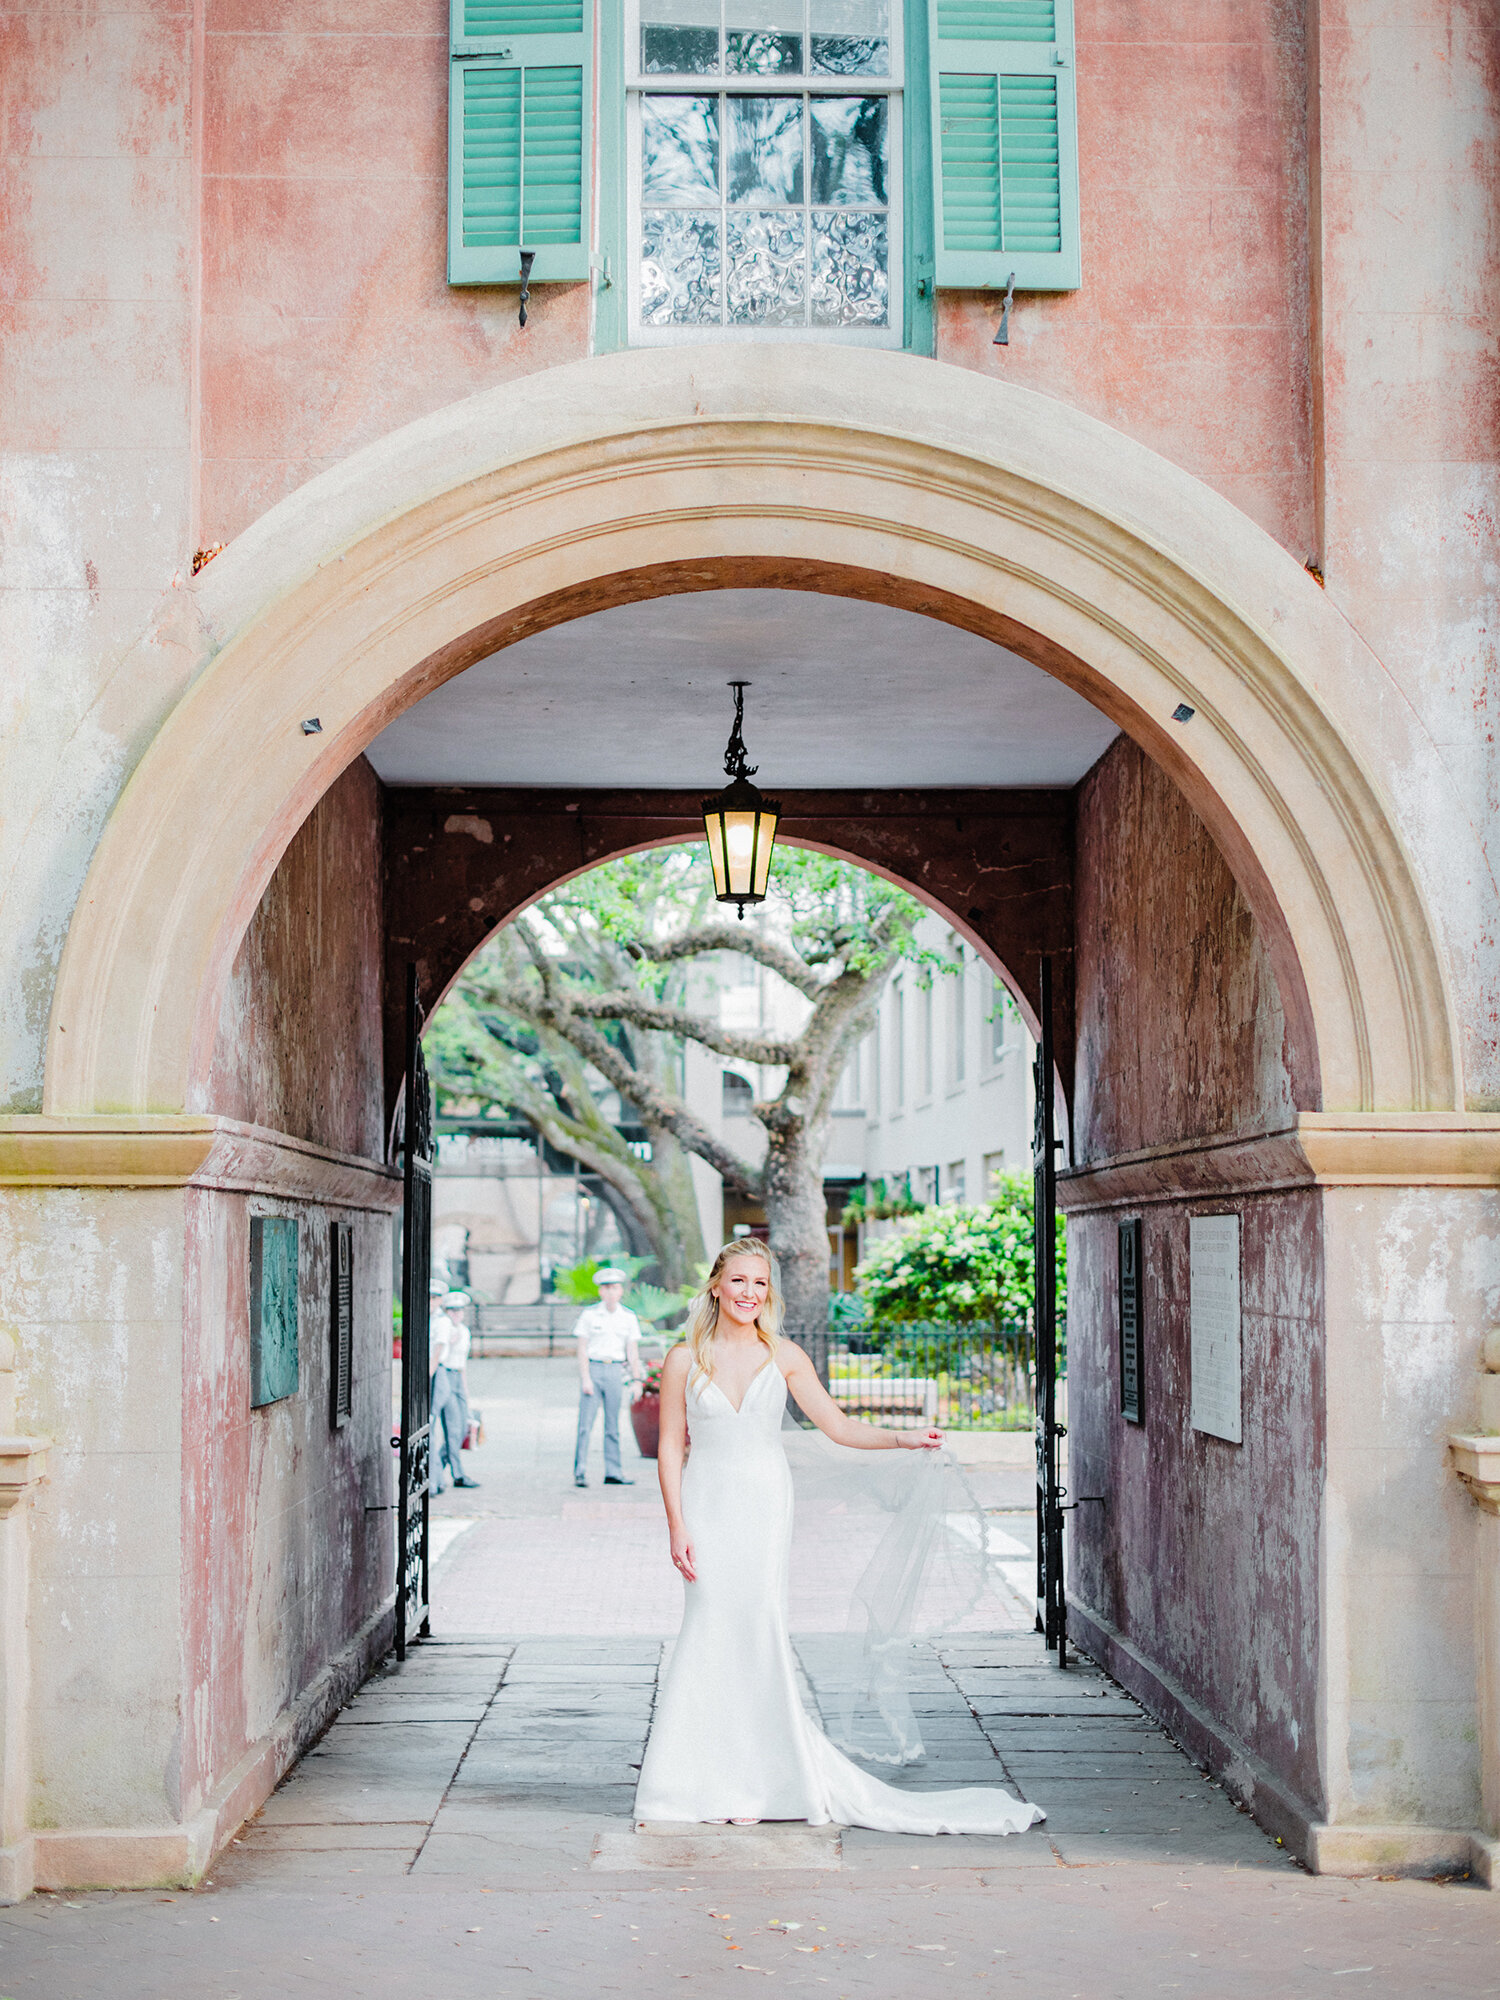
(326, 318)
(298, 1047)
(1181, 1039)
(287, 1544)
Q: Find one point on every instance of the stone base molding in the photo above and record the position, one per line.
(177, 1857)
(1396, 1850)
(1324, 1849)
(1323, 1149)
(148, 1150)
(1476, 1460)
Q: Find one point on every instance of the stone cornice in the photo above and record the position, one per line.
(1323, 1149)
(23, 1461)
(202, 1152)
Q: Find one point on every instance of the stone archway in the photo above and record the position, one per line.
(649, 473)
(646, 474)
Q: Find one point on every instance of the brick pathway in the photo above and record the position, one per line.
(539, 1556)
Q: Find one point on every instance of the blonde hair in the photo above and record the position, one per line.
(703, 1313)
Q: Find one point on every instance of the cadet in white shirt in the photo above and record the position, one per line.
(608, 1336)
(449, 1413)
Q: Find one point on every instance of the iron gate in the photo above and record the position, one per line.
(1051, 1604)
(416, 1389)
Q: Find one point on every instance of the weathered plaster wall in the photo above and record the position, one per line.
(1182, 1040)
(91, 1290)
(275, 1498)
(1408, 241)
(1181, 1031)
(327, 316)
(287, 1534)
(1191, 329)
(96, 307)
(299, 1037)
(1413, 1286)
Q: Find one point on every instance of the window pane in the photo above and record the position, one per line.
(765, 150)
(851, 38)
(680, 268)
(680, 150)
(763, 38)
(848, 149)
(671, 50)
(767, 270)
(680, 36)
(851, 268)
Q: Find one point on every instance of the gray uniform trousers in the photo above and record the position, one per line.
(608, 1378)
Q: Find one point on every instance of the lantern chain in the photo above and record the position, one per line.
(736, 757)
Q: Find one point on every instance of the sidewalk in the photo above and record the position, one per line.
(465, 1829)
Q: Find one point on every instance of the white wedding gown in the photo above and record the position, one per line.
(731, 1738)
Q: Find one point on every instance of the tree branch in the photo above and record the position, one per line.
(748, 944)
(656, 1104)
(642, 1012)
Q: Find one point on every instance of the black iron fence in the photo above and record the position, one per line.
(959, 1378)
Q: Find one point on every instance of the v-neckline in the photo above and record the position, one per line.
(739, 1406)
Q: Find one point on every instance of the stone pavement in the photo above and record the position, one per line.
(464, 1827)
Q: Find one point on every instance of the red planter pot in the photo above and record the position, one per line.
(645, 1421)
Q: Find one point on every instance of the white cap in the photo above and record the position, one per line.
(455, 1298)
(609, 1276)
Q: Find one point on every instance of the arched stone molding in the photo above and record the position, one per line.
(989, 506)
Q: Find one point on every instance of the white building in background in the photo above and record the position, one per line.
(936, 1099)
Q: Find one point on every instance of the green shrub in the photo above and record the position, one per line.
(957, 1265)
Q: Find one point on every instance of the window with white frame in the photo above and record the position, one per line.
(764, 140)
(998, 1027)
(958, 1017)
(898, 1045)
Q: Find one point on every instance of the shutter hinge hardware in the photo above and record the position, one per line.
(528, 258)
(600, 267)
(1002, 332)
(1059, 58)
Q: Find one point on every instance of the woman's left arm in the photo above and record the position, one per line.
(815, 1402)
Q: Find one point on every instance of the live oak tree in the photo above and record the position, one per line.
(595, 990)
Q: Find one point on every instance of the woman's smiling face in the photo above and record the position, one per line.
(743, 1287)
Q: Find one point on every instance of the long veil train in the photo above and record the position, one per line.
(911, 1522)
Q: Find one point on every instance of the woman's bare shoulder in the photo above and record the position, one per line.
(790, 1357)
(678, 1361)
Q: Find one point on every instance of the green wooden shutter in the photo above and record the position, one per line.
(519, 108)
(1005, 144)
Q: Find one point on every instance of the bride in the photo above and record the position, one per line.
(731, 1739)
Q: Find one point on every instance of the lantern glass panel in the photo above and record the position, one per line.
(763, 852)
(739, 842)
(713, 826)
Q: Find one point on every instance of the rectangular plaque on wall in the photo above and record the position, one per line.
(341, 1329)
(273, 1308)
(1131, 1387)
(1214, 1314)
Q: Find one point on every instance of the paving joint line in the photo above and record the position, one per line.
(463, 1754)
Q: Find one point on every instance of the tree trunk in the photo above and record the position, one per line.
(798, 1216)
(678, 1239)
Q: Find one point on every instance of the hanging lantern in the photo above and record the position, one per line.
(739, 823)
